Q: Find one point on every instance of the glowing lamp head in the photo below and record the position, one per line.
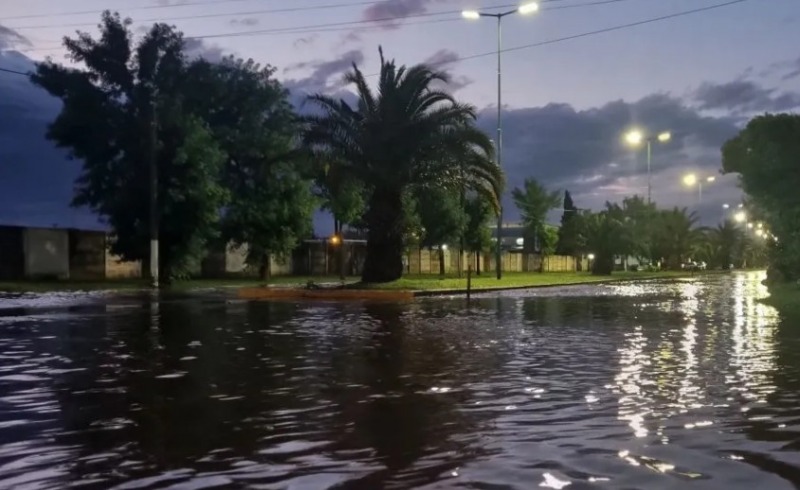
(711, 179)
(335, 240)
(528, 8)
(690, 180)
(664, 137)
(740, 217)
(726, 206)
(634, 137)
(471, 14)
(590, 256)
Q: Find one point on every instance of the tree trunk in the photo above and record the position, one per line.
(441, 262)
(478, 263)
(266, 266)
(384, 260)
(603, 265)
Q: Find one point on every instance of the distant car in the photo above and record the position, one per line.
(694, 266)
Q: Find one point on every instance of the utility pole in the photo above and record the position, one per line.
(152, 157)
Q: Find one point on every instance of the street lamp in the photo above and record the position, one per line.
(740, 217)
(691, 179)
(634, 138)
(524, 9)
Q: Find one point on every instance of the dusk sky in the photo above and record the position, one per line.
(566, 103)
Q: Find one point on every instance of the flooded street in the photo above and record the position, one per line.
(660, 385)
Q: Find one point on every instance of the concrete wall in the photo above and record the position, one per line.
(87, 254)
(12, 253)
(46, 253)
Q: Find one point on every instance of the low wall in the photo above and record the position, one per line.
(46, 253)
(87, 254)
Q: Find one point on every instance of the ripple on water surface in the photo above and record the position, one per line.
(658, 385)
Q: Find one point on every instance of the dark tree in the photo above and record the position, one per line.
(406, 133)
(124, 106)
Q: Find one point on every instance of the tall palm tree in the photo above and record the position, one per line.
(725, 239)
(406, 133)
(676, 235)
(534, 201)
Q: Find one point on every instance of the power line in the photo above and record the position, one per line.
(14, 72)
(339, 26)
(591, 33)
(567, 38)
(148, 7)
(208, 16)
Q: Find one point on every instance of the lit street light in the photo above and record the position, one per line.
(691, 179)
(524, 9)
(635, 138)
(740, 217)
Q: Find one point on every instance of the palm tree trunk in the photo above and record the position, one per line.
(384, 260)
(441, 262)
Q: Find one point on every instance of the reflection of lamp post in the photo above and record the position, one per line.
(635, 138)
(524, 9)
(691, 179)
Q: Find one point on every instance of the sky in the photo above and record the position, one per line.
(567, 99)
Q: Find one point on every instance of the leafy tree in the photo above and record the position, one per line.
(442, 219)
(764, 154)
(248, 111)
(124, 106)
(534, 201)
(569, 233)
(405, 133)
(642, 219)
(548, 240)
(477, 235)
(605, 233)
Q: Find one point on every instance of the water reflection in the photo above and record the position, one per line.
(645, 386)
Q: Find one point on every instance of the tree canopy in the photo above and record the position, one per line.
(765, 155)
(221, 136)
(406, 132)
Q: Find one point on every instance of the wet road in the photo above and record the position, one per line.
(686, 384)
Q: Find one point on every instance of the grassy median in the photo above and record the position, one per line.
(488, 281)
(426, 282)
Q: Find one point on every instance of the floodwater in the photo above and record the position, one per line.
(688, 384)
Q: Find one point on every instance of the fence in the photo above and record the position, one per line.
(84, 255)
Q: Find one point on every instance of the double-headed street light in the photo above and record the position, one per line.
(635, 138)
(525, 9)
(691, 179)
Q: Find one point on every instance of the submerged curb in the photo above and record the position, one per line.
(338, 294)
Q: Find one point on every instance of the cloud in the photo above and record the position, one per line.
(325, 78)
(350, 37)
(388, 13)
(305, 41)
(744, 96)
(197, 48)
(246, 21)
(323, 74)
(443, 58)
(10, 39)
(582, 150)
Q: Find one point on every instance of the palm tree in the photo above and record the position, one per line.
(676, 235)
(725, 239)
(534, 201)
(406, 133)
